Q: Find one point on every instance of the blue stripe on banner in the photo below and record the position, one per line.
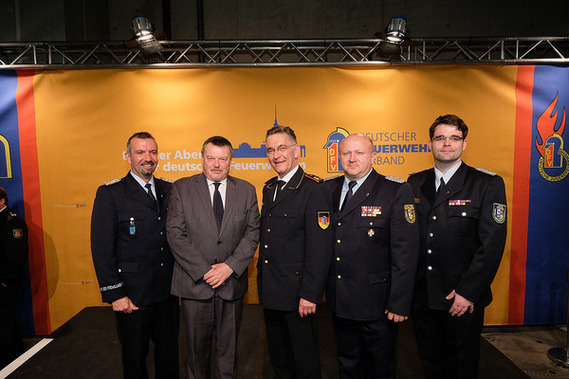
(11, 180)
(548, 238)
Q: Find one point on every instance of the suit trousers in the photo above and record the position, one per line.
(292, 344)
(449, 346)
(206, 320)
(366, 349)
(157, 322)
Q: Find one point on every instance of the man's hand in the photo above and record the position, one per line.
(395, 317)
(124, 305)
(217, 275)
(460, 305)
(306, 308)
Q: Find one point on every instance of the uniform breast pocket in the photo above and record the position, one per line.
(370, 231)
(131, 224)
(463, 222)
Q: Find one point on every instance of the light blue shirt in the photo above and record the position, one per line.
(346, 187)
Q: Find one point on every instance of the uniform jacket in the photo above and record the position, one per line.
(196, 243)
(463, 234)
(293, 258)
(128, 242)
(376, 245)
(13, 247)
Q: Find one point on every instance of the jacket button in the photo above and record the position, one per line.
(431, 234)
(120, 270)
(338, 259)
(266, 261)
(463, 214)
(339, 224)
(269, 230)
(219, 242)
(266, 246)
(159, 218)
(429, 251)
(285, 215)
(430, 268)
(339, 276)
(434, 218)
(339, 241)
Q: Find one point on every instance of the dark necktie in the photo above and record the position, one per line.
(441, 187)
(217, 206)
(349, 194)
(280, 185)
(149, 188)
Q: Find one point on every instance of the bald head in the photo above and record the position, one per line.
(356, 156)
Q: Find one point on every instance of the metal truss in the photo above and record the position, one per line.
(65, 55)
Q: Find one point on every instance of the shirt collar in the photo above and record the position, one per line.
(289, 176)
(210, 182)
(447, 175)
(141, 181)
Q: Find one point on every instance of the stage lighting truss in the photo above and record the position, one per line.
(57, 55)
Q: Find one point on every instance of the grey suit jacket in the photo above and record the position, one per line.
(197, 245)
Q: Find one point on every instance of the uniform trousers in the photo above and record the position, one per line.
(292, 344)
(11, 344)
(366, 349)
(206, 320)
(157, 322)
(449, 346)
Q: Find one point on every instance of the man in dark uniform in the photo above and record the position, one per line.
(293, 259)
(376, 241)
(134, 263)
(462, 220)
(13, 255)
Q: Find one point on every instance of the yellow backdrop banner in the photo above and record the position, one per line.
(84, 118)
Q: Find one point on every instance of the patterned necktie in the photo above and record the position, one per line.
(280, 185)
(349, 194)
(217, 206)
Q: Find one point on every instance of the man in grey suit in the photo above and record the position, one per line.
(213, 231)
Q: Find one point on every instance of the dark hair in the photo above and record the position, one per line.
(218, 141)
(4, 195)
(281, 129)
(449, 119)
(141, 135)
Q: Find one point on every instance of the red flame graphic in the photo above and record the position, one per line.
(546, 125)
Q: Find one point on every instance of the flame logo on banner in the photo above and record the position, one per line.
(553, 156)
(333, 147)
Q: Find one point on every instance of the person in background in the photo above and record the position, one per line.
(13, 255)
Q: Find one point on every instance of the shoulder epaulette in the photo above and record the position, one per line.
(317, 179)
(112, 181)
(395, 179)
(13, 214)
(167, 180)
(418, 172)
(332, 178)
(486, 171)
(271, 180)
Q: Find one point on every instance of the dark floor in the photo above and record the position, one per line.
(87, 347)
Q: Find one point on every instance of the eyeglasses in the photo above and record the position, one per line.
(280, 149)
(443, 138)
